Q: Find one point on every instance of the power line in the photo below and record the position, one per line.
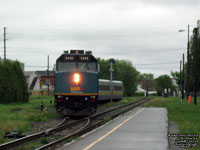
(167, 63)
(35, 53)
(37, 66)
(27, 55)
(160, 49)
(171, 49)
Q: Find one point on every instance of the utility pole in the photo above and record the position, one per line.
(195, 66)
(4, 42)
(49, 81)
(112, 61)
(48, 72)
(183, 79)
(188, 65)
(180, 78)
(147, 87)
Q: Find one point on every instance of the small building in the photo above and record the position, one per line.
(176, 86)
(145, 86)
(45, 78)
(139, 89)
(33, 82)
(38, 82)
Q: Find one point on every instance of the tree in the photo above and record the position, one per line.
(13, 86)
(191, 57)
(104, 68)
(123, 71)
(163, 82)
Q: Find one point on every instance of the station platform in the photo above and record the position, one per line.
(139, 129)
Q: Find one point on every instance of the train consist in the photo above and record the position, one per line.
(78, 87)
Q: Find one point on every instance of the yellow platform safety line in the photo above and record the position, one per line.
(113, 130)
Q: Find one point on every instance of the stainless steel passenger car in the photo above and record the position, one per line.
(105, 90)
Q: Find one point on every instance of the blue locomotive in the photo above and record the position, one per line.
(78, 87)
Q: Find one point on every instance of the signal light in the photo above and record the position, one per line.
(76, 78)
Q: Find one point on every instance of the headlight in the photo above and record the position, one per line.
(76, 78)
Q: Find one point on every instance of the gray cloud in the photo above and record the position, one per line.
(142, 31)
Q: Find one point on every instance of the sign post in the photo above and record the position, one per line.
(112, 61)
(41, 93)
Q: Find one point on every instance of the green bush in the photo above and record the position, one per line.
(13, 86)
(123, 71)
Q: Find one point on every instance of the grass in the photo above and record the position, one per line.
(184, 114)
(44, 140)
(34, 145)
(18, 116)
(30, 146)
(71, 139)
(107, 119)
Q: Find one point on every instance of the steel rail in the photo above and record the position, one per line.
(64, 138)
(31, 137)
(60, 127)
(116, 108)
(87, 129)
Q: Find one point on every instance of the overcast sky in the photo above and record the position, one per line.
(142, 31)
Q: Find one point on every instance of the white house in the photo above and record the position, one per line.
(32, 81)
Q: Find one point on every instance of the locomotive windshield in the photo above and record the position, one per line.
(77, 66)
(77, 60)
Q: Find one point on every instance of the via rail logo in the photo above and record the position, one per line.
(76, 89)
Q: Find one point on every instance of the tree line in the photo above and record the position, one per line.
(123, 71)
(191, 68)
(13, 86)
(126, 72)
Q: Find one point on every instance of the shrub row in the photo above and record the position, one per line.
(13, 86)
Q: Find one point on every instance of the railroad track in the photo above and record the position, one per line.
(91, 123)
(86, 129)
(61, 126)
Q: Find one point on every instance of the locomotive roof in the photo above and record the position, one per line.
(77, 57)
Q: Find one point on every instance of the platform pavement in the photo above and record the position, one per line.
(140, 129)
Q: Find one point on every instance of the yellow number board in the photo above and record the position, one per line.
(75, 89)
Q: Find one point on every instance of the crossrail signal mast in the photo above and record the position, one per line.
(187, 83)
(188, 65)
(48, 72)
(112, 61)
(195, 65)
(183, 79)
(180, 80)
